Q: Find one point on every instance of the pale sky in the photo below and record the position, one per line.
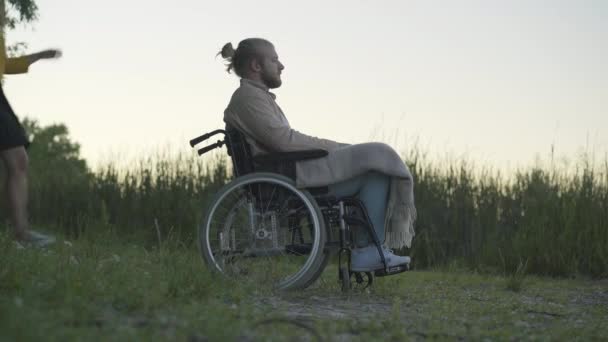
(497, 82)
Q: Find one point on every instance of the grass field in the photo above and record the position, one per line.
(102, 287)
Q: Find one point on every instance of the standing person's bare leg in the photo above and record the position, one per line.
(16, 162)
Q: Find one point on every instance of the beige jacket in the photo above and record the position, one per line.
(253, 111)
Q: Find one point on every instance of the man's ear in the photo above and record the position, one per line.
(255, 65)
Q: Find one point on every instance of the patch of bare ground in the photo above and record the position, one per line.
(450, 308)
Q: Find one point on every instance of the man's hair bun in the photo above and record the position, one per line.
(227, 51)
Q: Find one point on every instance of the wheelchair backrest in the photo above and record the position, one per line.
(239, 151)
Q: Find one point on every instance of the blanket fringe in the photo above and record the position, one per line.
(400, 230)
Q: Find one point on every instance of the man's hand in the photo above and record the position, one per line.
(46, 54)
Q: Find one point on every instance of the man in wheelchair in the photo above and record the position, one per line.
(372, 172)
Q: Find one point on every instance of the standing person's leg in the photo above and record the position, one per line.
(16, 162)
(13, 143)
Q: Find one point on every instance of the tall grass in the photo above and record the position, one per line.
(556, 219)
(164, 194)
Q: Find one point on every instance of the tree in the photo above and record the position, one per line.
(17, 12)
(20, 12)
(53, 147)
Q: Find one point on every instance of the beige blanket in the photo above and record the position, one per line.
(353, 160)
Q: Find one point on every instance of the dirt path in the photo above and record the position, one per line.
(464, 307)
(328, 307)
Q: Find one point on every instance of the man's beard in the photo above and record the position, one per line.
(271, 82)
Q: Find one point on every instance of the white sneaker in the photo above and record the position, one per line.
(36, 239)
(368, 259)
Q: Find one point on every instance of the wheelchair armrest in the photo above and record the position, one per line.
(279, 157)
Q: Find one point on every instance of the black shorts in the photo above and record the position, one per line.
(12, 133)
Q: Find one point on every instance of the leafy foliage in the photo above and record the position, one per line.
(59, 177)
(21, 11)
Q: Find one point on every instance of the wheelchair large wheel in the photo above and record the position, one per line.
(262, 228)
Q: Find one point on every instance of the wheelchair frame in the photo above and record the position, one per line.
(335, 211)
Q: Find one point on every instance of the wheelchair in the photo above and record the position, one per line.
(261, 227)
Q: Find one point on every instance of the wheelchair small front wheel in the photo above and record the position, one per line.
(260, 227)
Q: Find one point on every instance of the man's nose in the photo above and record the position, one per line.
(281, 66)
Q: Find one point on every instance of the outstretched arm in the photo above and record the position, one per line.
(46, 54)
(21, 64)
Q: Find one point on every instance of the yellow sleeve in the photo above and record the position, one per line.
(18, 65)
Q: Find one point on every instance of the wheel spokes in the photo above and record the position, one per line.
(252, 228)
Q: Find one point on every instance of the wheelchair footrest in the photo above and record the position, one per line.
(392, 270)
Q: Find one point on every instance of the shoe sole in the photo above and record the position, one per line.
(392, 270)
(380, 267)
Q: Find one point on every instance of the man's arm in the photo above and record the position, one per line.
(20, 65)
(258, 117)
(46, 54)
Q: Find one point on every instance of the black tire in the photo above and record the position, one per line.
(250, 228)
(361, 280)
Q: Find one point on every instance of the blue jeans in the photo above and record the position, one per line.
(372, 189)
